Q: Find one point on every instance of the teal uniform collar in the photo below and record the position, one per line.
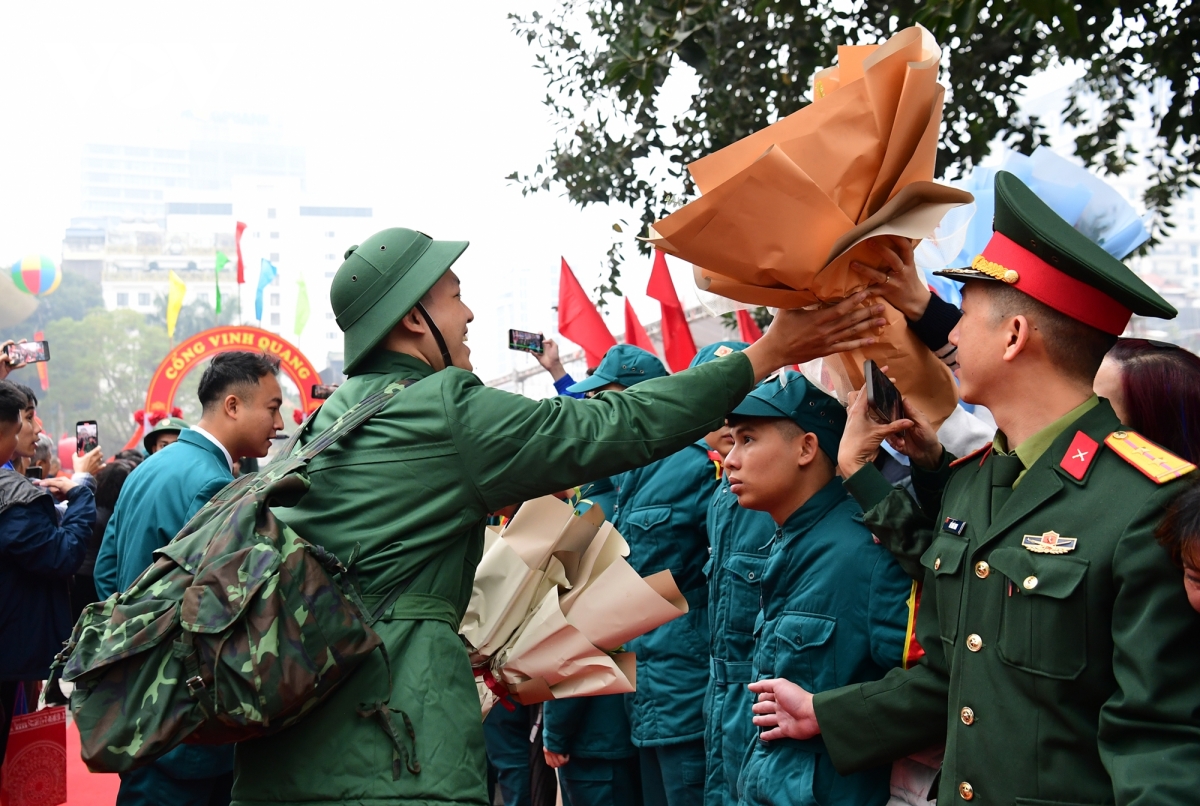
(386, 362)
(200, 441)
(814, 509)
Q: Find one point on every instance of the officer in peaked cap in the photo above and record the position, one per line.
(410, 490)
(1060, 661)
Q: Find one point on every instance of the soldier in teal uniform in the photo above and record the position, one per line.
(740, 540)
(661, 511)
(1060, 658)
(412, 488)
(834, 602)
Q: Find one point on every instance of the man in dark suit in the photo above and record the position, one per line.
(241, 400)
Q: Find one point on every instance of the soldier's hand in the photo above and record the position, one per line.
(555, 760)
(797, 336)
(863, 436)
(785, 710)
(897, 280)
(919, 442)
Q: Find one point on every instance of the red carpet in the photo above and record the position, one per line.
(85, 788)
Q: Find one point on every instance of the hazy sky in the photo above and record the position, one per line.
(418, 109)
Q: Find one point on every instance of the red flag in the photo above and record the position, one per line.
(748, 329)
(635, 334)
(676, 336)
(42, 369)
(241, 277)
(579, 320)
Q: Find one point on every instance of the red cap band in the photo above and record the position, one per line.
(1048, 285)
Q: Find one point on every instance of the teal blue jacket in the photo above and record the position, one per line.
(834, 612)
(740, 540)
(160, 496)
(662, 513)
(590, 727)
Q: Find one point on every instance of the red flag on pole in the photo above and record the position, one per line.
(748, 329)
(42, 369)
(241, 267)
(678, 346)
(635, 334)
(579, 320)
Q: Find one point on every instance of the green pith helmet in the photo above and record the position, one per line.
(167, 425)
(381, 280)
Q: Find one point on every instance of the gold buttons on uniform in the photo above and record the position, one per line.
(1030, 583)
(974, 642)
(966, 791)
(982, 569)
(967, 716)
(937, 563)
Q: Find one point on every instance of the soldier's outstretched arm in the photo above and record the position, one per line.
(1149, 737)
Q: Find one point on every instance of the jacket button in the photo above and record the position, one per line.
(967, 716)
(1030, 583)
(966, 791)
(937, 563)
(974, 642)
(982, 569)
(750, 575)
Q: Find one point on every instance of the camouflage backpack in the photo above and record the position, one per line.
(237, 630)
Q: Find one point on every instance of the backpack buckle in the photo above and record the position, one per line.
(195, 685)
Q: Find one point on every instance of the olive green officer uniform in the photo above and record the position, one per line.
(411, 489)
(1061, 663)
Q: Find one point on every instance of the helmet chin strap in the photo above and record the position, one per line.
(437, 336)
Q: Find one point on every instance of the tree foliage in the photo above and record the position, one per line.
(606, 62)
(75, 297)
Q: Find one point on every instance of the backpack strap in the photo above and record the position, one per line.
(355, 416)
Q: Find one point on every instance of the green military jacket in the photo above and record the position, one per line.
(1052, 678)
(412, 489)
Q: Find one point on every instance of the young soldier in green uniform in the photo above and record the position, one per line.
(165, 432)
(1061, 662)
(410, 491)
(661, 513)
(739, 540)
(833, 601)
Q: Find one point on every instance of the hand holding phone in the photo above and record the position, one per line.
(27, 352)
(525, 341)
(34, 472)
(87, 436)
(323, 391)
(883, 398)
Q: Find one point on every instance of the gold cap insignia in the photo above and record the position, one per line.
(994, 270)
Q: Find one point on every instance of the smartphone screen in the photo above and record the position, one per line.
(323, 391)
(87, 436)
(33, 473)
(525, 341)
(883, 398)
(30, 352)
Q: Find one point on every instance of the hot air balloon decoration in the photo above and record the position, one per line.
(36, 275)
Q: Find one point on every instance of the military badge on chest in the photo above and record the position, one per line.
(954, 526)
(1049, 543)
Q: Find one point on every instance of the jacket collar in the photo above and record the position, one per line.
(200, 441)
(814, 509)
(386, 362)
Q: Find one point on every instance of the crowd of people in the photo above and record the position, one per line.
(1004, 607)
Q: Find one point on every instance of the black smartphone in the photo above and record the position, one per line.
(33, 473)
(883, 398)
(525, 341)
(323, 391)
(30, 352)
(87, 436)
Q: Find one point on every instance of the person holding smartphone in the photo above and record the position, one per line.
(38, 554)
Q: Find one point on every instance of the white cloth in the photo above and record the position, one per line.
(213, 440)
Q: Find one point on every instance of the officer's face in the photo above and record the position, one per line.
(981, 344)
(452, 316)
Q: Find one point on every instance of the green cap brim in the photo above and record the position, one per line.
(378, 321)
(590, 384)
(757, 407)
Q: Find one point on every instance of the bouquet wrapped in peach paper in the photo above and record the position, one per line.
(553, 602)
(784, 211)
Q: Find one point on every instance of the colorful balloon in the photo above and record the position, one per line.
(36, 275)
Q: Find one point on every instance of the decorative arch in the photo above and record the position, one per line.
(204, 345)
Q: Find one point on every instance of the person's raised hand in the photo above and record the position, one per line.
(863, 435)
(550, 360)
(90, 462)
(555, 760)
(57, 487)
(919, 442)
(897, 280)
(7, 364)
(797, 336)
(784, 709)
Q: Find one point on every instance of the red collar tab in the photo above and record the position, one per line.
(716, 460)
(1006, 260)
(1079, 456)
(985, 450)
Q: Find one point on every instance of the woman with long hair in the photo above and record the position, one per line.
(1154, 387)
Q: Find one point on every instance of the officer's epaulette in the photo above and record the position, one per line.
(985, 450)
(1157, 463)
